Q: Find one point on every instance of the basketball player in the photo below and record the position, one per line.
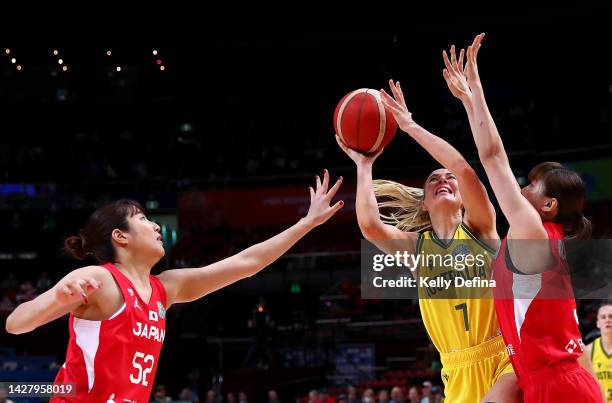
(118, 309)
(533, 298)
(600, 350)
(455, 215)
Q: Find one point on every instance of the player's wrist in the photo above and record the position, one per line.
(307, 222)
(467, 101)
(475, 84)
(409, 126)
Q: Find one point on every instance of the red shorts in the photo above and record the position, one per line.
(565, 382)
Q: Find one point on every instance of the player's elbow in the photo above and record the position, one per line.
(462, 169)
(491, 153)
(12, 326)
(371, 230)
(249, 264)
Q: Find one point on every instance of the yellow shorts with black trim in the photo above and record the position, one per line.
(469, 374)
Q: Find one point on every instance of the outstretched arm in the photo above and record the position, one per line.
(368, 215)
(76, 289)
(479, 212)
(524, 220)
(184, 285)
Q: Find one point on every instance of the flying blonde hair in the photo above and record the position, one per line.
(406, 204)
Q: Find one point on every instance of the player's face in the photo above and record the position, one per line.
(145, 236)
(604, 319)
(534, 193)
(441, 188)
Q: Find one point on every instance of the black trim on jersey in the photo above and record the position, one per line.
(419, 245)
(603, 350)
(478, 241)
(509, 263)
(440, 242)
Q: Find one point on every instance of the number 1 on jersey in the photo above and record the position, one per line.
(466, 322)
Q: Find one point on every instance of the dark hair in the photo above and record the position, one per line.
(568, 188)
(95, 238)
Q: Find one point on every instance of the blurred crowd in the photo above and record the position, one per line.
(426, 392)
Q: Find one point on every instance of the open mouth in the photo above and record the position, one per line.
(443, 190)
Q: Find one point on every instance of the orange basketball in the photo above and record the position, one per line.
(362, 122)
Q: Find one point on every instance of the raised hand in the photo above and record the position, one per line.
(397, 106)
(471, 67)
(359, 158)
(454, 75)
(75, 289)
(320, 210)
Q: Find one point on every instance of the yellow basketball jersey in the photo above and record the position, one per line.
(602, 364)
(456, 314)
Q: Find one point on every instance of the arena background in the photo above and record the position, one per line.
(220, 147)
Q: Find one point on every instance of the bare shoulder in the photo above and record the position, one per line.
(108, 291)
(165, 278)
(173, 277)
(172, 280)
(411, 235)
(105, 301)
(97, 272)
(167, 275)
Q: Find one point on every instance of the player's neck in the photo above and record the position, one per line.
(138, 273)
(606, 342)
(445, 225)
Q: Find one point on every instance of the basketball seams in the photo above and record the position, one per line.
(341, 111)
(362, 122)
(382, 121)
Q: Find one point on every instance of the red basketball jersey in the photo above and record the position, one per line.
(537, 312)
(115, 359)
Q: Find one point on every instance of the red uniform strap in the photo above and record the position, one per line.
(123, 282)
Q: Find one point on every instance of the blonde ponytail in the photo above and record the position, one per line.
(406, 204)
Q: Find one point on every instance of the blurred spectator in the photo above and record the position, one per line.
(211, 396)
(396, 395)
(160, 394)
(6, 305)
(368, 396)
(342, 399)
(187, 395)
(426, 392)
(352, 394)
(3, 395)
(9, 282)
(43, 283)
(413, 395)
(230, 398)
(313, 396)
(242, 397)
(26, 293)
(273, 397)
(325, 397)
(260, 353)
(436, 395)
(383, 396)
